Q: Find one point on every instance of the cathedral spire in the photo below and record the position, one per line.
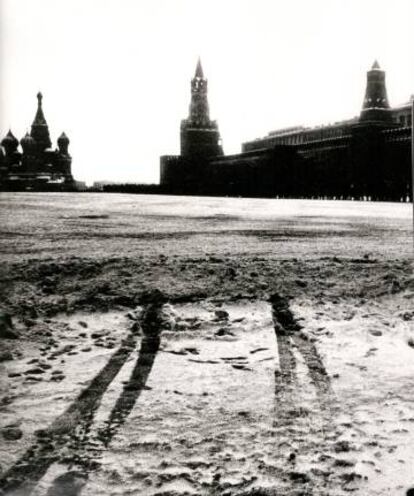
(39, 117)
(40, 129)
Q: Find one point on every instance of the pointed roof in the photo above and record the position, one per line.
(40, 130)
(27, 139)
(63, 138)
(28, 143)
(199, 70)
(39, 119)
(375, 65)
(11, 135)
(10, 139)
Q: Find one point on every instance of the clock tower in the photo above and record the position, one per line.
(200, 137)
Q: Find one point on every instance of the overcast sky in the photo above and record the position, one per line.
(115, 74)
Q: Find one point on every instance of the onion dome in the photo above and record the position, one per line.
(63, 143)
(63, 140)
(27, 142)
(10, 141)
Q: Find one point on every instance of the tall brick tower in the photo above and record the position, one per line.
(200, 137)
(375, 106)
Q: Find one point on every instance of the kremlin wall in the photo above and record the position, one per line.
(364, 158)
(368, 157)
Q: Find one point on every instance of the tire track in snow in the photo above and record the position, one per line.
(289, 414)
(72, 427)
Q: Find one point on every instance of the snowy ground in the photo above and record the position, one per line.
(237, 394)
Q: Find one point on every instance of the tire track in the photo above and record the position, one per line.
(151, 326)
(289, 414)
(288, 333)
(71, 429)
(286, 381)
(317, 373)
(21, 478)
(72, 481)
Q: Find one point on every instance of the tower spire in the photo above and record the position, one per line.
(199, 70)
(39, 117)
(199, 109)
(375, 106)
(40, 129)
(199, 134)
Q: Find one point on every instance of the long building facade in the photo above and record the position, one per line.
(36, 166)
(367, 157)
